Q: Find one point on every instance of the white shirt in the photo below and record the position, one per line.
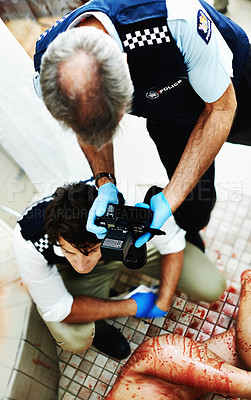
(44, 282)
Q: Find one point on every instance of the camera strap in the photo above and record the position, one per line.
(152, 191)
(154, 232)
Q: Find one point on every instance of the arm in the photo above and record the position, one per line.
(170, 270)
(88, 309)
(209, 68)
(209, 64)
(99, 160)
(205, 141)
(44, 282)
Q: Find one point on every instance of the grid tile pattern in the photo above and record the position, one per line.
(90, 376)
(28, 359)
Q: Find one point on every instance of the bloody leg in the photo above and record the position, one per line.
(181, 361)
(174, 367)
(243, 329)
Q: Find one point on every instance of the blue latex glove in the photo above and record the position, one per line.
(107, 193)
(145, 303)
(162, 211)
(156, 312)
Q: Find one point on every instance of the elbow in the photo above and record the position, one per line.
(234, 105)
(231, 101)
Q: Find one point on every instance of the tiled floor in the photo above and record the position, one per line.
(89, 376)
(25, 343)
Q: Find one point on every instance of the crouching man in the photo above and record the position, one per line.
(60, 263)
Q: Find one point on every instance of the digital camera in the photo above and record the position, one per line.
(125, 224)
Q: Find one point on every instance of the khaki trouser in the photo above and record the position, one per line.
(199, 279)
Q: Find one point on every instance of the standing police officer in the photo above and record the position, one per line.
(190, 70)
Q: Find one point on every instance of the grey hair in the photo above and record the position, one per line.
(95, 102)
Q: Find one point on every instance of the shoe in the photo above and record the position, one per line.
(195, 238)
(110, 341)
(113, 292)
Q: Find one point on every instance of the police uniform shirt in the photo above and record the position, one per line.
(208, 60)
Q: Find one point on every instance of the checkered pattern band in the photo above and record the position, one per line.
(157, 35)
(47, 199)
(42, 244)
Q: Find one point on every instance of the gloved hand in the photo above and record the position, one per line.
(162, 211)
(146, 307)
(145, 303)
(107, 193)
(156, 312)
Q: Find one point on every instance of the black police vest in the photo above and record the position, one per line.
(32, 224)
(162, 91)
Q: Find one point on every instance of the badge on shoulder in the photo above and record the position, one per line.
(204, 26)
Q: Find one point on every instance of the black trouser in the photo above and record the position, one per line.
(194, 213)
